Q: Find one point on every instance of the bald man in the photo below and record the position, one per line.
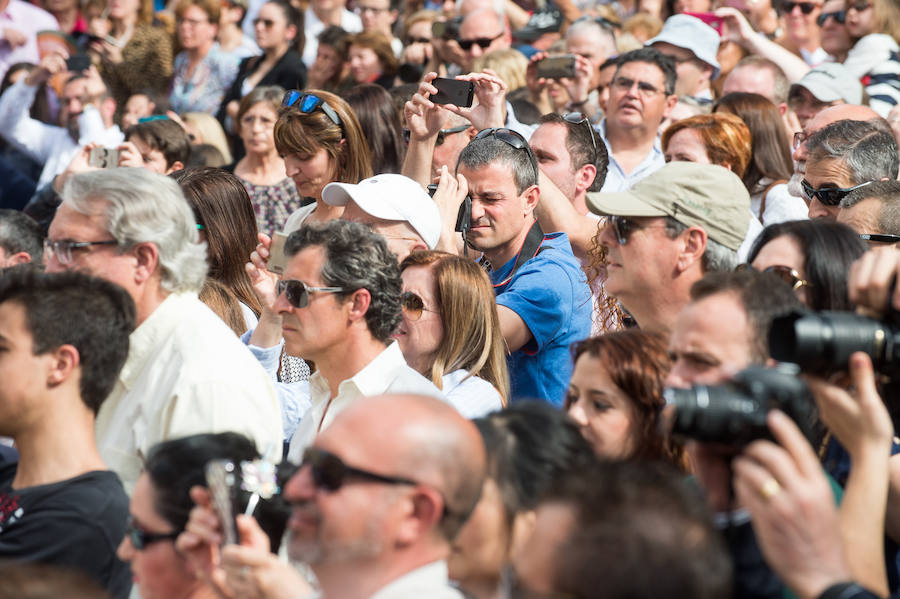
(374, 513)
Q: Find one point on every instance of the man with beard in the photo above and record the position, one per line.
(373, 513)
(85, 116)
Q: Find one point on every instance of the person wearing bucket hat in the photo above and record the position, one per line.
(826, 85)
(692, 44)
(396, 207)
(666, 232)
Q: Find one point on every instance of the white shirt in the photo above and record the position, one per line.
(428, 581)
(387, 373)
(781, 206)
(49, 145)
(473, 397)
(350, 22)
(616, 179)
(754, 228)
(186, 373)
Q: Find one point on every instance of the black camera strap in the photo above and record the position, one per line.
(531, 247)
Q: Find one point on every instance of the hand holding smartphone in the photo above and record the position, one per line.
(453, 91)
(557, 67)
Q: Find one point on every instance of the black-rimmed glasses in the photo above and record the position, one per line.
(140, 538)
(511, 138)
(62, 248)
(330, 472)
(481, 42)
(624, 226)
(879, 238)
(576, 118)
(805, 7)
(839, 16)
(308, 103)
(829, 196)
(297, 292)
(441, 136)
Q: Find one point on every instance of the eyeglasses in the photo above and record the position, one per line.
(879, 238)
(140, 539)
(829, 196)
(799, 138)
(413, 305)
(267, 23)
(308, 103)
(859, 6)
(839, 17)
(624, 226)
(785, 273)
(330, 472)
(805, 7)
(62, 248)
(297, 292)
(481, 42)
(576, 118)
(192, 22)
(511, 138)
(442, 134)
(644, 89)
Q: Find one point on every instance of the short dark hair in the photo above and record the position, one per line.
(488, 150)
(530, 445)
(887, 193)
(867, 150)
(762, 296)
(655, 57)
(641, 531)
(164, 135)
(177, 465)
(581, 147)
(829, 249)
(21, 233)
(71, 308)
(356, 258)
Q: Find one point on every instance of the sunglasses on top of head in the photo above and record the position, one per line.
(309, 103)
(577, 118)
(513, 139)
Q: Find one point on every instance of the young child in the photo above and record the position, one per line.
(875, 57)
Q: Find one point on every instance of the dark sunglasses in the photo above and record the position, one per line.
(839, 17)
(859, 6)
(829, 196)
(442, 134)
(481, 42)
(511, 138)
(785, 273)
(624, 226)
(879, 238)
(308, 103)
(805, 7)
(329, 472)
(576, 118)
(297, 292)
(141, 538)
(413, 305)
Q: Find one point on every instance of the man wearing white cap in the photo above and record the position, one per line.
(664, 234)
(828, 84)
(692, 44)
(394, 206)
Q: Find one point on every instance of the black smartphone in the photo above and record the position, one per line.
(453, 91)
(78, 63)
(557, 67)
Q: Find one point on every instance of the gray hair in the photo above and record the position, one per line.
(592, 30)
(716, 257)
(488, 150)
(867, 150)
(888, 195)
(356, 258)
(20, 233)
(141, 206)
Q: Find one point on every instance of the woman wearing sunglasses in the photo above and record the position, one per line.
(813, 257)
(450, 331)
(160, 507)
(874, 25)
(321, 141)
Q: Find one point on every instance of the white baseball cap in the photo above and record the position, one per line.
(690, 33)
(391, 197)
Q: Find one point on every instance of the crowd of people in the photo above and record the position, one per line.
(485, 298)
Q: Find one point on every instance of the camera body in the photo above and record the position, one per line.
(735, 413)
(464, 216)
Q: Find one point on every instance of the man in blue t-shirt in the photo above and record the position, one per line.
(542, 295)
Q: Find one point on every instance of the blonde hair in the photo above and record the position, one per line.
(509, 64)
(887, 17)
(642, 26)
(210, 130)
(472, 337)
(725, 136)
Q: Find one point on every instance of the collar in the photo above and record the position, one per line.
(414, 583)
(144, 341)
(373, 378)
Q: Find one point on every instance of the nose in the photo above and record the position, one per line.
(576, 413)
(797, 12)
(607, 236)
(125, 551)
(817, 208)
(677, 377)
(800, 153)
(281, 305)
(475, 51)
(477, 210)
(300, 487)
(291, 168)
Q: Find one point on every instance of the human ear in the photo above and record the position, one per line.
(63, 362)
(147, 256)
(359, 304)
(692, 248)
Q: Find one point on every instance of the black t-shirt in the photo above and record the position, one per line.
(75, 523)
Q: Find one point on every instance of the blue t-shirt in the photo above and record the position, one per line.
(551, 295)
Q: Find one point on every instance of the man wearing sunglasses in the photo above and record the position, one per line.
(843, 157)
(381, 493)
(873, 211)
(666, 233)
(60, 504)
(483, 31)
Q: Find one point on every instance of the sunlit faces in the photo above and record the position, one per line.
(835, 37)
(800, 26)
(750, 79)
(711, 341)
(629, 107)
(827, 172)
(122, 9)
(376, 15)
(604, 78)
(550, 148)
(194, 28)
(159, 571)
(364, 64)
(693, 75)
(137, 107)
(484, 26)
(600, 408)
(687, 146)
(784, 251)
(257, 128)
(319, 327)
(860, 22)
(154, 160)
(71, 103)
(272, 28)
(481, 548)
(310, 173)
(806, 105)
(419, 338)
(24, 374)
(328, 60)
